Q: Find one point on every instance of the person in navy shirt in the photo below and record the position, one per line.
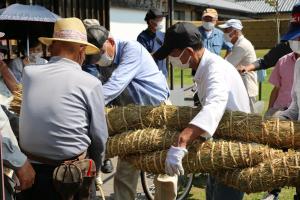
(152, 38)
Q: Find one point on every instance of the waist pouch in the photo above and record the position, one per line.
(74, 178)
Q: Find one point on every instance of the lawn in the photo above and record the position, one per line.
(199, 193)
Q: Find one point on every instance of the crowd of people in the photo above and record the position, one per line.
(62, 118)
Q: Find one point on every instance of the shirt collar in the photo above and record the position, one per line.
(202, 29)
(203, 62)
(117, 52)
(150, 33)
(56, 59)
(241, 37)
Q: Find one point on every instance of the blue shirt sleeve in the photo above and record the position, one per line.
(227, 45)
(127, 69)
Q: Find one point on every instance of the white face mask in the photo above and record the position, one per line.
(295, 46)
(33, 57)
(105, 60)
(227, 37)
(159, 27)
(176, 62)
(208, 25)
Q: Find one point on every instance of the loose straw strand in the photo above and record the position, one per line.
(124, 119)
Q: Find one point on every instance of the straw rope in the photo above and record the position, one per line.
(209, 156)
(121, 119)
(140, 141)
(15, 104)
(253, 128)
(234, 125)
(266, 176)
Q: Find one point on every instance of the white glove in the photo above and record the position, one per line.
(173, 163)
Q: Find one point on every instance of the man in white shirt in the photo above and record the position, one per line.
(220, 87)
(243, 53)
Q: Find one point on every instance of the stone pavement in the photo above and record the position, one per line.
(108, 185)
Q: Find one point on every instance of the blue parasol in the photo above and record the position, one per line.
(19, 21)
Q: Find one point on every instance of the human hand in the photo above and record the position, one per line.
(242, 69)
(173, 163)
(26, 176)
(26, 61)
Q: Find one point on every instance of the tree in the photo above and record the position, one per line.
(275, 5)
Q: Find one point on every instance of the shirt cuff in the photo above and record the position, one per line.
(12, 156)
(206, 134)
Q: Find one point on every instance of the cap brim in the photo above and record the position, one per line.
(90, 48)
(223, 26)
(291, 35)
(162, 52)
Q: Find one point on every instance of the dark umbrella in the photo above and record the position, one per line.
(20, 21)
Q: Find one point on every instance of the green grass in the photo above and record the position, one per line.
(199, 193)
(286, 194)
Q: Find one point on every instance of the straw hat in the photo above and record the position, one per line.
(70, 30)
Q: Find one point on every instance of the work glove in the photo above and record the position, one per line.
(173, 163)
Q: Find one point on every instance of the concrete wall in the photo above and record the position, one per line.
(126, 23)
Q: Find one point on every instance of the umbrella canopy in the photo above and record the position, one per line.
(18, 21)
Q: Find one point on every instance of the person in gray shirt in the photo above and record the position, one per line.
(62, 113)
(15, 162)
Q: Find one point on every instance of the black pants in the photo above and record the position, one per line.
(43, 188)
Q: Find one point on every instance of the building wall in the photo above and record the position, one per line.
(126, 23)
(262, 33)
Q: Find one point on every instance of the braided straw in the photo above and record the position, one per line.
(140, 141)
(209, 156)
(253, 128)
(266, 176)
(15, 104)
(234, 125)
(132, 117)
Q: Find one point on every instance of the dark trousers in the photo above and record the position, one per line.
(219, 191)
(43, 188)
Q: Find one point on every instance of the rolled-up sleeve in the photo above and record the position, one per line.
(12, 156)
(227, 45)
(98, 128)
(125, 72)
(215, 103)
(236, 56)
(275, 78)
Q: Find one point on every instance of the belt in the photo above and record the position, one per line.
(51, 162)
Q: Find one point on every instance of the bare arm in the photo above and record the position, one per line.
(273, 96)
(8, 78)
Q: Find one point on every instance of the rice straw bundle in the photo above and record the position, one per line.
(252, 128)
(209, 156)
(140, 141)
(15, 104)
(120, 119)
(266, 176)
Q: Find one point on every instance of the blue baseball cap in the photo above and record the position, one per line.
(294, 27)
